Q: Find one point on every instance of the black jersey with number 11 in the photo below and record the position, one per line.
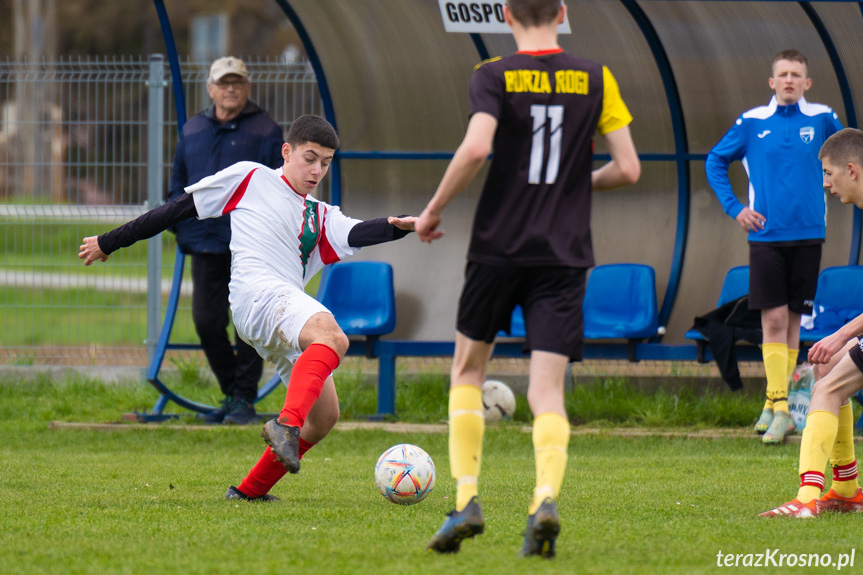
(535, 205)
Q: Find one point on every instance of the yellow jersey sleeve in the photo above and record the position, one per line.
(615, 114)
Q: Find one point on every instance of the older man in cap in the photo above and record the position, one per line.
(231, 130)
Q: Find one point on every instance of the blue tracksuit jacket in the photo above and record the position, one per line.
(778, 146)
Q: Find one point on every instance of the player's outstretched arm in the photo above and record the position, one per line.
(624, 167)
(468, 159)
(380, 230)
(144, 226)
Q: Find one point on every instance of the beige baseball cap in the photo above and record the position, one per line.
(227, 65)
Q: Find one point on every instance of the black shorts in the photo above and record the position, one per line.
(856, 354)
(783, 275)
(551, 298)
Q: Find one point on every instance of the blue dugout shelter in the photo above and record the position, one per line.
(395, 83)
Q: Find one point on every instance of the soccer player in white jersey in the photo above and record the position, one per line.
(281, 236)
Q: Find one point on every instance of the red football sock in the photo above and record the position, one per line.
(304, 446)
(266, 473)
(310, 371)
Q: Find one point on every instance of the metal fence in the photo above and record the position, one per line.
(74, 138)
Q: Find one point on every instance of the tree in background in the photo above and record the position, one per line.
(131, 27)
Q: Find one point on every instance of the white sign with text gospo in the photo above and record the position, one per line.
(480, 17)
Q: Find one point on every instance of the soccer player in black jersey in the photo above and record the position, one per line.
(537, 110)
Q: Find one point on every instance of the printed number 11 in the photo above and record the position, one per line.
(542, 114)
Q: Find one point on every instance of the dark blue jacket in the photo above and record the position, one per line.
(208, 146)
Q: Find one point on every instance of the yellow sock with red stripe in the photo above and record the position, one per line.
(819, 435)
(842, 457)
(466, 429)
(550, 443)
(776, 369)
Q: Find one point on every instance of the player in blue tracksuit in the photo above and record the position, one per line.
(785, 217)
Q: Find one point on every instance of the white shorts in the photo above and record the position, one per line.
(272, 322)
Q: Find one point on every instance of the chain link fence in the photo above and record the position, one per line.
(74, 137)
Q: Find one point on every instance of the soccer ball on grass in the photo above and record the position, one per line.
(405, 474)
(498, 401)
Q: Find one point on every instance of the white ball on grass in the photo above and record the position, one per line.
(498, 401)
(405, 474)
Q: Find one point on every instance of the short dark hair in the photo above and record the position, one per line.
(534, 12)
(844, 147)
(312, 129)
(792, 56)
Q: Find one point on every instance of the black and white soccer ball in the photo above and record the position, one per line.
(498, 401)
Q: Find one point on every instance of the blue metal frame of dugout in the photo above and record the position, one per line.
(387, 350)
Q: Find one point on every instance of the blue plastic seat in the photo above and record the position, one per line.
(516, 326)
(838, 300)
(620, 303)
(736, 284)
(361, 296)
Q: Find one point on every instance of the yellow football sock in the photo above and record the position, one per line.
(792, 361)
(550, 443)
(466, 427)
(807, 493)
(819, 435)
(776, 369)
(843, 451)
(792, 365)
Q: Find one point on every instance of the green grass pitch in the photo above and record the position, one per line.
(151, 501)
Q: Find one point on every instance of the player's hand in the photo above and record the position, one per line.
(407, 223)
(750, 220)
(90, 251)
(822, 351)
(426, 227)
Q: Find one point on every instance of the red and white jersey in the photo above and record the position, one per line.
(278, 235)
